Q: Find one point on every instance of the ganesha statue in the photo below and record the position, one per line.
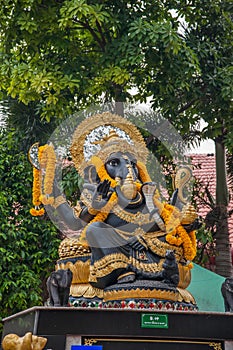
(128, 247)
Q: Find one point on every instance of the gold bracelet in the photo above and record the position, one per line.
(58, 201)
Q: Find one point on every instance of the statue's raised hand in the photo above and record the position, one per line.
(101, 195)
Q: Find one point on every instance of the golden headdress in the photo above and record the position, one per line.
(120, 135)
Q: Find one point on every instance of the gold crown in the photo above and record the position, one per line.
(113, 142)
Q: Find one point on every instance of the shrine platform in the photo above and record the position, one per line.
(113, 329)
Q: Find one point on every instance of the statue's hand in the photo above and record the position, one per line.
(137, 243)
(101, 195)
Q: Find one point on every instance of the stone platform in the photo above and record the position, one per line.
(127, 329)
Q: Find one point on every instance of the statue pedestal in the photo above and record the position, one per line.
(129, 329)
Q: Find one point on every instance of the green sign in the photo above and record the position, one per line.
(154, 321)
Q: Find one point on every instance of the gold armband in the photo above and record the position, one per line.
(58, 201)
(92, 211)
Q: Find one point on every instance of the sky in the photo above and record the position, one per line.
(205, 147)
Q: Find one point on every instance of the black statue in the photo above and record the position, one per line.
(58, 285)
(127, 233)
(227, 293)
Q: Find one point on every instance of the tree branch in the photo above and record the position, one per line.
(186, 106)
(86, 25)
(101, 33)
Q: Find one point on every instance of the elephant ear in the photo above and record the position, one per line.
(90, 175)
(229, 284)
(54, 278)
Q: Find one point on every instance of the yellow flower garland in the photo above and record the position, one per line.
(48, 162)
(41, 194)
(143, 174)
(36, 190)
(176, 233)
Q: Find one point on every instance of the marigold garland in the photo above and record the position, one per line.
(176, 233)
(143, 173)
(41, 192)
(48, 162)
(101, 171)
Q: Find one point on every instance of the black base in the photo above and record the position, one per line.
(124, 329)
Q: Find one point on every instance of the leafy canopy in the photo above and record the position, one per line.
(67, 54)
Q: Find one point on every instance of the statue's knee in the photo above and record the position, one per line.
(94, 232)
(99, 235)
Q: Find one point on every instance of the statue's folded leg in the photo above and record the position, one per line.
(110, 254)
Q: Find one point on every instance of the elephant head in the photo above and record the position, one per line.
(61, 278)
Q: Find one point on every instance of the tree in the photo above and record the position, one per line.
(208, 33)
(27, 122)
(70, 54)
(28, 246)
(65, 55)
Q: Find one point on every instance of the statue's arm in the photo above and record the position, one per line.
(74, 217)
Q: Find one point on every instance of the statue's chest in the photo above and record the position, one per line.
(130, 219)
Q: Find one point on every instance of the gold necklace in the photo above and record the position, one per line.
(137, 218)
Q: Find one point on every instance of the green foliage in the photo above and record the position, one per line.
(208, 33)
(28, 245)
(63, 54)
(71, 184)
(205, 247)
(26, 120)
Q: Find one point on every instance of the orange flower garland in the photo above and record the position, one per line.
(48, 162)
(37, 211)
(41, 194)
(176, 233)
(143, 174)
(101, 171)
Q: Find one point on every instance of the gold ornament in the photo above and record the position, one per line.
(129, 188)
(188, 214)
(109, 144)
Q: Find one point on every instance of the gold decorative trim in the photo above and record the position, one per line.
(58, 201)
(125, 274)
(71, 247)
(85, 290)
(160, 247)
(77, 210)
(81, 270)
(135, 218)
(106, 265)
(111, 262)
(105, 119)
(140, 293)
(91, 341)
(186, 296)
(216, 346)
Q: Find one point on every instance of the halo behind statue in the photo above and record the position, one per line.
(129, 137)
(33, 155)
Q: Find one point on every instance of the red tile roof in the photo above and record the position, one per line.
(205, 172)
